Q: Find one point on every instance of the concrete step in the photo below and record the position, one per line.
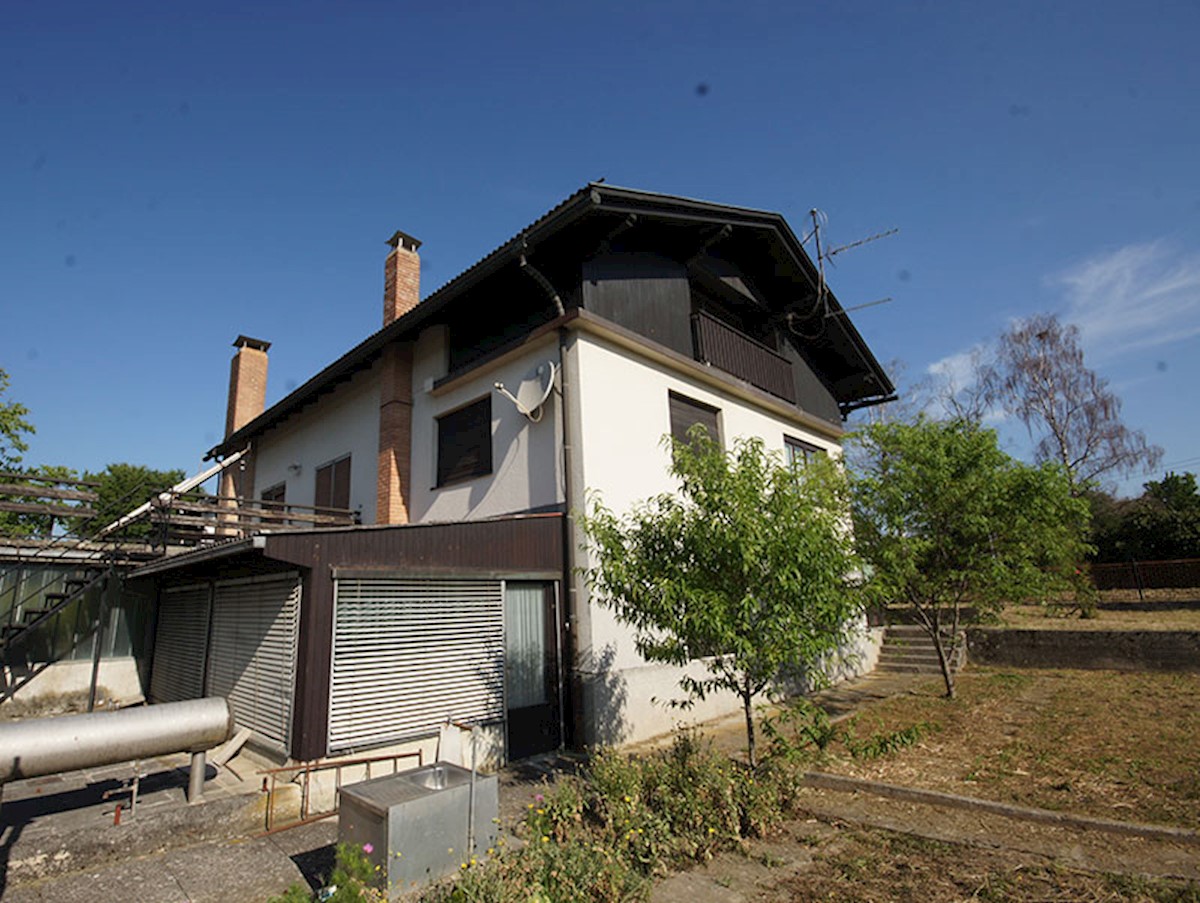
(907, 668)
(900, 658)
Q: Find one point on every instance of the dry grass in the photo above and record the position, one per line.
(1128, 615)
(867, 866)
(1101, 743)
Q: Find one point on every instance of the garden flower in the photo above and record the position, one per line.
(368, 848)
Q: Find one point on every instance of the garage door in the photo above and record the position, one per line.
(407, 654)
(252, 659)
(180, 640)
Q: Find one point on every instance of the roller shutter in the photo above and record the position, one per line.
(407, 654)
(252, 659)
(180, 640)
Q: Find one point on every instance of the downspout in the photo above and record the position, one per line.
(568, 597)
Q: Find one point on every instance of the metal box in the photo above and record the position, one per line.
(416, 822)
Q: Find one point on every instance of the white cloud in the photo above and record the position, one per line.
(1134, 298)
(957, 369)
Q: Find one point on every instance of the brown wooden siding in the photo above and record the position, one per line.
(645, 293)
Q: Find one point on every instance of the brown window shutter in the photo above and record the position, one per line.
(687, 412)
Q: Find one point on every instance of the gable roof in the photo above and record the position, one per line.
(761, 242)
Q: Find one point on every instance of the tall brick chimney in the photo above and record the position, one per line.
(247, 398)
(401, 277)
(247, 383)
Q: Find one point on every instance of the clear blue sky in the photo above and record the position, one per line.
(172, 175)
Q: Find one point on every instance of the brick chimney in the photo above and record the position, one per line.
(401, 277)
(247, 383)
(247, 398)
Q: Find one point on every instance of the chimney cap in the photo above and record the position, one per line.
(244, 341)
(403, 239)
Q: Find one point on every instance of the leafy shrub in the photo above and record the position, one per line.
(798, 727)
(884, 743)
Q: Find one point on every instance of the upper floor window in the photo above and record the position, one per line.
(799, 452)
(333, 484)
(275, 496)
(687, 412)
(465, 442)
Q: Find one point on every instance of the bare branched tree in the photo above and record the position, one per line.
(1038, 375)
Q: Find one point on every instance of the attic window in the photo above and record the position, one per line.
(465, 443)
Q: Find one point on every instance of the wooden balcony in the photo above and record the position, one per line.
(197, 519)
(728, 349)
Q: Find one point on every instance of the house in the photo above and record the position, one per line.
(462, 435)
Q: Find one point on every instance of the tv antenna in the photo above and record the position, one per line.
(821, 306)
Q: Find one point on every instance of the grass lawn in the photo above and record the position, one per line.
(1103, 743)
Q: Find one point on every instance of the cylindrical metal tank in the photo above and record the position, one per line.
(43, 746)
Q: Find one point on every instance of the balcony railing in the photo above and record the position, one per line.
(736, 353)
(191, 520)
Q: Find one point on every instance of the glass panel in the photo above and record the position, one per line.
(525, 644)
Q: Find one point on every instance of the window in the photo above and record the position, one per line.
(798, 452)
(275, 496)
(465, 442)
(686, 413)
(333, 485)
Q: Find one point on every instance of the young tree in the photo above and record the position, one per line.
(954, 528)
(1039, 376)
(749, 567)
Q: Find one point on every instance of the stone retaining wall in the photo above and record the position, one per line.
(1135, 650)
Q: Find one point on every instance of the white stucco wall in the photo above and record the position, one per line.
(526, 457)
(624, 414)
(343, 422)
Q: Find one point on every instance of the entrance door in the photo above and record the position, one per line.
(531, 669)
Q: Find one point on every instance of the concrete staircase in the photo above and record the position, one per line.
(908, 649)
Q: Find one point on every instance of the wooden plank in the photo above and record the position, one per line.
(46, 510)
(47, 492)
(8, 475)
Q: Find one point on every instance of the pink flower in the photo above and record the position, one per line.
(368, 848)
(539, 798)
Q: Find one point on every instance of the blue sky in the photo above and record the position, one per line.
(172, 176)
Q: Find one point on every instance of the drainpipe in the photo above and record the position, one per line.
(569, 539)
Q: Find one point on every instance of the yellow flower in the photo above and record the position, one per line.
(545, 839)
(628, 799)
(541, 811)
(463, 866)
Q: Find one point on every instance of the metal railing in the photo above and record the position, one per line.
(304, 771)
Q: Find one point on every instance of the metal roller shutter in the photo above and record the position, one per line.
(180, 640)
(407, 654)
(252, 660)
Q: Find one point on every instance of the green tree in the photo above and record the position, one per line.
(749, 568)
(1163, 523)
(13, 428)
(953, 528)
(122, 487)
